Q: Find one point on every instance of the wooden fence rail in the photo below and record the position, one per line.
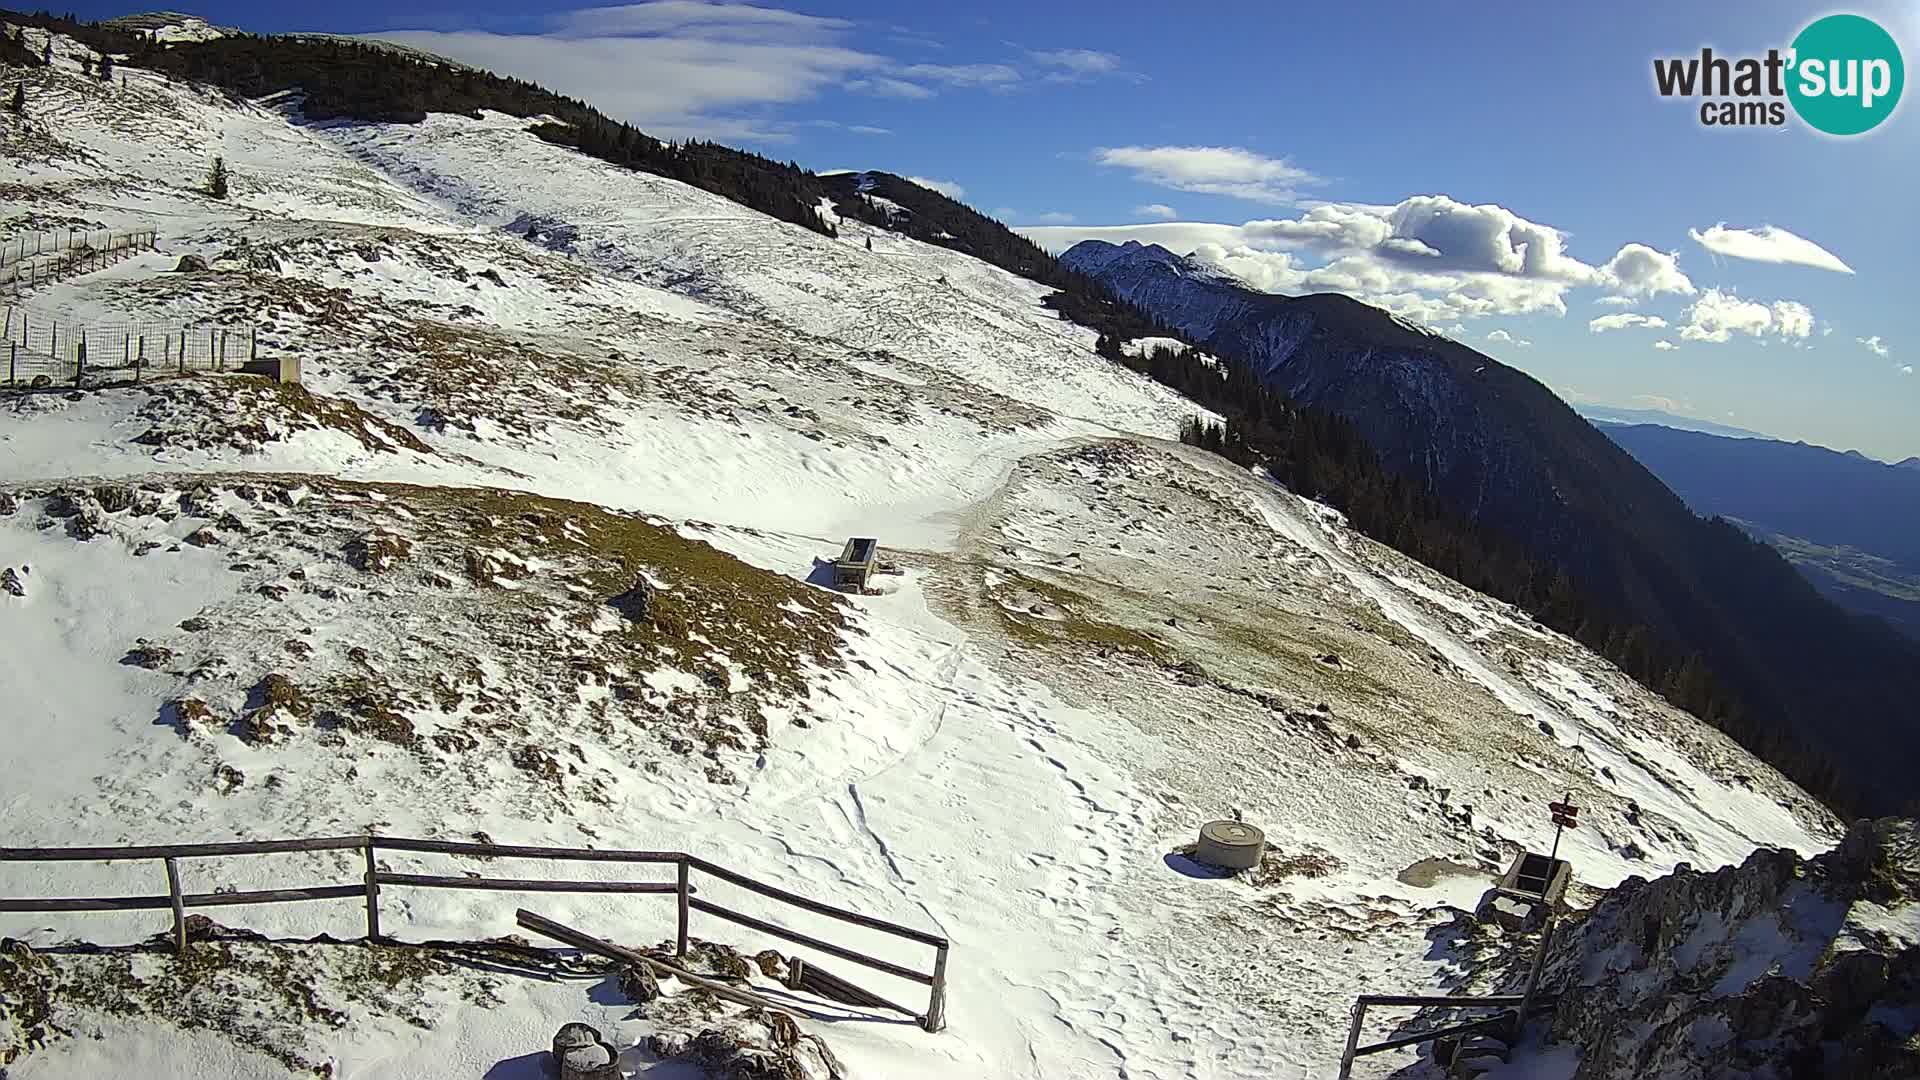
(372, 879)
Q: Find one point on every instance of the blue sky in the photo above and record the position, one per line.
(1503, 172)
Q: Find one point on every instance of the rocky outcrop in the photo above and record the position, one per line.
(1778, 967)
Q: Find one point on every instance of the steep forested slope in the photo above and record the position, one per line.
(1693, 606)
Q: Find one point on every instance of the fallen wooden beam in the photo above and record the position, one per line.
(542, 925)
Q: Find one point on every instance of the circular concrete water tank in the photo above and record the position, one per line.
(1234, 845)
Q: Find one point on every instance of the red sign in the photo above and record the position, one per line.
(1565, 815)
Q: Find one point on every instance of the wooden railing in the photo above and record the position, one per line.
(368, 888)
(1513, 1012)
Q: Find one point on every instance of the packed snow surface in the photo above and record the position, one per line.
(1097, 639)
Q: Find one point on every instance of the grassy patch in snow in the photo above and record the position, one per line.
(1047, 613)
(272, 997)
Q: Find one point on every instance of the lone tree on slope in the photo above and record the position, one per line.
(105, 69)
(18, 103)
(217, 179)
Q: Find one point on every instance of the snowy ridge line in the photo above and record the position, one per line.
(682, 888)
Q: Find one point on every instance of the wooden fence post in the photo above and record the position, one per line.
(1354, 1019)
(936, 1018)
(681, 944)
(373, 896)
(13, 361)
(179, 907)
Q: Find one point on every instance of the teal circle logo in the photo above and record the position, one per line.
(1846, 75)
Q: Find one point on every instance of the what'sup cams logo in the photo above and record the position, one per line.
(1842, 76)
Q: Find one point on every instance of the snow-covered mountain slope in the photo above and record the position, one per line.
(403, 598)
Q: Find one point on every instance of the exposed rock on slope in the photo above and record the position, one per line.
(1779, 967)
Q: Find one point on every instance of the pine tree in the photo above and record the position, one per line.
(106, 67)
(19, 103)
(217, 179)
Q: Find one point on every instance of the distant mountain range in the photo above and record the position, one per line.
(1850, 523)
(1613, 414)
(1499, 447)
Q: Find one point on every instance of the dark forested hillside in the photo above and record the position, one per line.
(1849, 523)
(1692, 607)
(933, 218)
(1793, 488)
(352, 80)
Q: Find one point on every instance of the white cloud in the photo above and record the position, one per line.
(1663, 345)
(1717, 316)
(868, 129)
(1792, 319)
(1638, 270)
(1906, 369)
(1874, 345)
(945, 187)
(1499, 335)
(1768, 243)
(883, 86)
(1523, 343)
(1211, 170)
(1079, 65)
(675, 68)
(710, 20)
(1623, 320)
(1053, 217)
(1156, 210)
(1616, 301)
(1663, 403)
(1428, 258)
(961, 75)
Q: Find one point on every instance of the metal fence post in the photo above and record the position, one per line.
(373, 896)
(13, 362)
(936, 1018)
(681, 943)
(179, 907)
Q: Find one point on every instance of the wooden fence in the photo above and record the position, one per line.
(40, 257)
(1512, 1013)
(368, 888)
(40, 347)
